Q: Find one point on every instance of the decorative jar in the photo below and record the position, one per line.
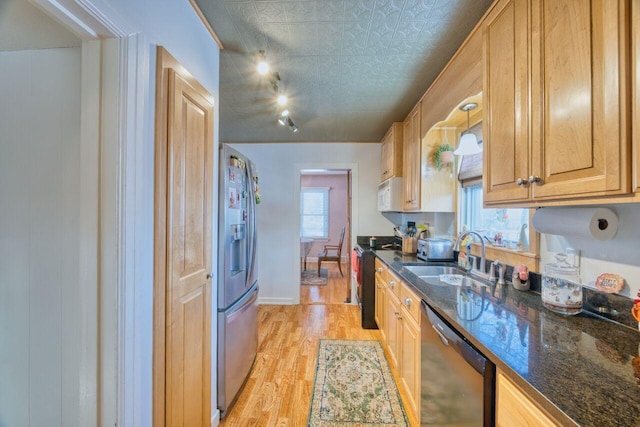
(561, 287)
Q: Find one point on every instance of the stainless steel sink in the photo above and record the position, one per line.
(432, 270)
(443, 275)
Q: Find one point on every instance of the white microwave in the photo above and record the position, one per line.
(390, 195)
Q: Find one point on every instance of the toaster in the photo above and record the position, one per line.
(435, 249)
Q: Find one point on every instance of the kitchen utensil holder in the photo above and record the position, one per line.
(410, 245)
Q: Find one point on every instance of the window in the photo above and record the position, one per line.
(493, 222)
(314, 213)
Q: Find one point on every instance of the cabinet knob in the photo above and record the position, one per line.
(521, 181)
(407, 302)
(535, 179)
(379, 269)
(209, 276)
(392, 283)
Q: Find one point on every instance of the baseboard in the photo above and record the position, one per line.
(215, 418)
(275, 301)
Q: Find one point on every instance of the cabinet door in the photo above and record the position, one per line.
(410, 360)
(386, 164)
(411, 161)
(514, 408)
(381, 290)
(393, 328)
(635, 92)
(579, 100)
(505, 121)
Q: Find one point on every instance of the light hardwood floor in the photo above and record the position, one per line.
(278, 390)
(335, 291)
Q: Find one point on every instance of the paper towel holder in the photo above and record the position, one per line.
(603, 224)
(600, 223)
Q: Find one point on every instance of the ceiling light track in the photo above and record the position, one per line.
(263, 68)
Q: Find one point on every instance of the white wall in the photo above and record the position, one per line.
(127, 353)
(619, 255)
(278, 216)
(39, 237)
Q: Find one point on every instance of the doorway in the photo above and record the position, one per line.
(325, 229)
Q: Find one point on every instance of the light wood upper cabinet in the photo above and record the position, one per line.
(635, 92)
(505, 123)
(411, 161)
(391, 153)
(573, 143)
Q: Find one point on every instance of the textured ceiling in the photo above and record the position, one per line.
(349, 67)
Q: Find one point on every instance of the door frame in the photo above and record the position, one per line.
(114, 72)
(353, 226)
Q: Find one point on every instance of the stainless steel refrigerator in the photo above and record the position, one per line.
(237, 275)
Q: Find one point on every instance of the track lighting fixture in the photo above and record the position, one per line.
(263, 65)
(284, 118)
(292, 125)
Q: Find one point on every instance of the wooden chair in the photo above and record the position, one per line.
(334, 256)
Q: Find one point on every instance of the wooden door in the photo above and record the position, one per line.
(505, 97)
(411, 161)
(579, 100)
(182, 300)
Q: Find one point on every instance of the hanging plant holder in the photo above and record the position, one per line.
(443, 156)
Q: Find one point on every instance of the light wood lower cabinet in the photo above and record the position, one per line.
(392, 313)
(410, 359)
(398, 309)
(381, 300)
(515, 408)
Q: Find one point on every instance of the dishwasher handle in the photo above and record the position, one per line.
(444, 339)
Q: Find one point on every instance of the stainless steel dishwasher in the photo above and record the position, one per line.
(458, 381)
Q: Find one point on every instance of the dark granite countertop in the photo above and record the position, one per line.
(579, 368)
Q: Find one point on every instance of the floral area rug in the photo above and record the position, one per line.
(311, 278)
(354, 387)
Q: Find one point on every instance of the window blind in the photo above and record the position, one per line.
(470, 173)
(314, 213)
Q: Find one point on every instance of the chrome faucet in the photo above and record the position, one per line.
(482, 270)
(501, 267)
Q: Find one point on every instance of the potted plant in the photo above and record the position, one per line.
(443, 156)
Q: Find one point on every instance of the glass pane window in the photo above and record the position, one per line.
(314, 213)
(503, 227)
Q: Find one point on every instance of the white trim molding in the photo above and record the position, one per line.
(298, 168)
(115, 68)
(89, 20)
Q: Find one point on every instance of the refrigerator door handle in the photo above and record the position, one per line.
(252, 225)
